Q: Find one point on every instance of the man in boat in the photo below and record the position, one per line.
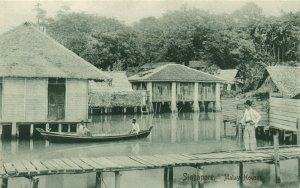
(135, 127)
(250, 120)
(83, 130)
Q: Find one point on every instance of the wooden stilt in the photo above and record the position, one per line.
(14, 130)
(276, 159)
(34, 182)
(47, 127)
(166, 177)
(241, 173)
(59, 127)
(298, 142)
(224, 123)
(117, 179)
(31, 144)
(31, 130)
(1, 130)
(4, 182)
(200, 181)
(98, 180)
(170, 177)
(69, 127)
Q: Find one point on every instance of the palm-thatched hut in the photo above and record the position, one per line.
(173, 83)
(113, 93)
(41, 80)
(281, 81)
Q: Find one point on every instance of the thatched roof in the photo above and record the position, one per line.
(228, 75)
(286, 79)
(155, 65)
(119, 82)
(27, 52)
(174, 72)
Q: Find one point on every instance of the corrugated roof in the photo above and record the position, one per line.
(286, 79)
(119, 83)
(175, 72)
(27, 52)
(228, 75)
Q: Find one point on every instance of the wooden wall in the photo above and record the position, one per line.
(185, 91)
(24, 99)
(161, 91)
(284, 113)
(207, 92)
(76, 100)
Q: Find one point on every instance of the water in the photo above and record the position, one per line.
(185, 133)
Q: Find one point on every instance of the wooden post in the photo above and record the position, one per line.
(298, 143)
(98, 180)
(196, 97)
(241, 173)
(200, 181)
(59, 127)
(117, 179)
(166, 177)
(34, 182)
(1, 130)
(170, 177)
(31, 144)
(173, 98)
(218, 99)
(14, 130)
(47, 127)
(276, 159)
(31, 130)
(69, 128)
(149, 89)
(4, 182)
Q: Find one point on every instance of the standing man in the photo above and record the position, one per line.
(135, 127)
(250, 120)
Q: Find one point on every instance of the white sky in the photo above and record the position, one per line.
(14, 13)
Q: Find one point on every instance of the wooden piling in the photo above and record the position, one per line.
(59, 127)
(14, 130)
(200, 181)
(166, 177)
(241, 173)
(69, 128)
(276, 159)
(47, 127)
(34, 182)
(117, 179)
(31, 130)
(298, 142)
(170, 177)
(98, 180)
(4, 182)
(1, 130)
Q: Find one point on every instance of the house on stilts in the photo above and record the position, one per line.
(42, 84)
(175, 87)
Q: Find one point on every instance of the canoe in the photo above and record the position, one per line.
(57, 137)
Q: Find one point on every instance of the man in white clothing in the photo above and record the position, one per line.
(250, 120)
(135, 127)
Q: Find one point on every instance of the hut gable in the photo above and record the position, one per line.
(27, 52)
(119, 82)
(286, 79)
(228, 75)
(174, 72)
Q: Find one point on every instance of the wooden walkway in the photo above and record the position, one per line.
(32, 168)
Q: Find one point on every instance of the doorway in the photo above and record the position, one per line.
(56, 98)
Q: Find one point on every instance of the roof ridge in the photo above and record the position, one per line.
(64, 48)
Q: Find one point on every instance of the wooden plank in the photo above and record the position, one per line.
(282, 127)
(83, 165)
(105, 163)
(10, 169)
(282, 117)
(49, 166)
(279, 121)
(289, 102)
(126, 162)
(31, 169)
(63, 165)
(284, 108)
(73, 165)
(152, 160)
(294, 114)
(21, 169)
(166, 162)
(57, 166)
(166, 159)
(93, 164)
(146, 163)
(40, 167)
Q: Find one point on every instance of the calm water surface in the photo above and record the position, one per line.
(183, 133)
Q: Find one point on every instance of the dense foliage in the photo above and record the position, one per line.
(244, 39)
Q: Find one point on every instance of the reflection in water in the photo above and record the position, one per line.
(172, 133)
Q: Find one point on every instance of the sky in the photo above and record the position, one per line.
(14, 13)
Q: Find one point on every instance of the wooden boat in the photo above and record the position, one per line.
(75, 138)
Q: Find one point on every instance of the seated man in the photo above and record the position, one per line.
(135, 127)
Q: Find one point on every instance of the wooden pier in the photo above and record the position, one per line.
(33, 168)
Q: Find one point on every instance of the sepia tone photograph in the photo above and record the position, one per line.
(149, 94)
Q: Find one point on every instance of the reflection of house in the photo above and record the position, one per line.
(41, 80)
(229, 75)
(204, 66)
(177, 83)
(115, 93)
(281, 81)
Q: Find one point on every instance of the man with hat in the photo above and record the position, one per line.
(135, 127)
(250, 120)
